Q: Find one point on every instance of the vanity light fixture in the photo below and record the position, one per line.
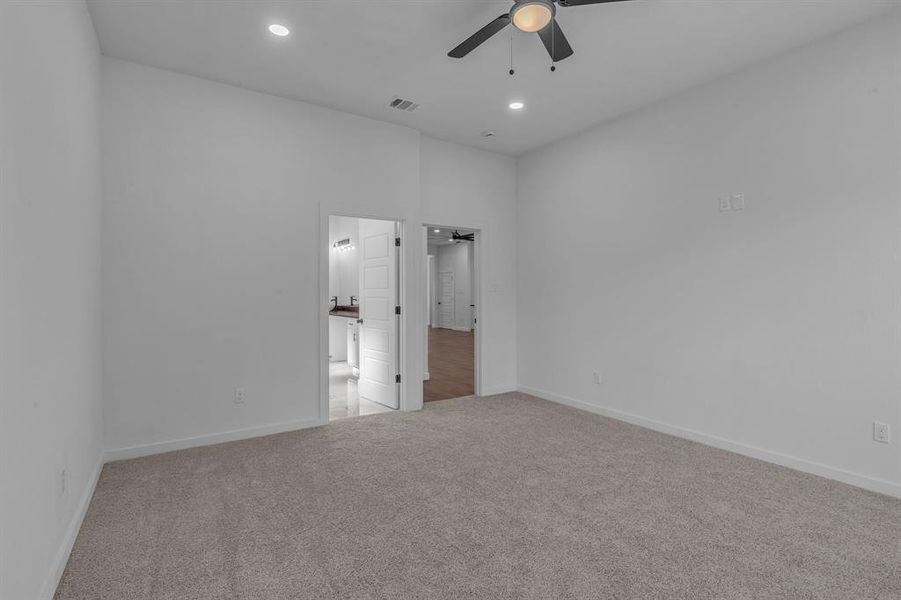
(343, 245)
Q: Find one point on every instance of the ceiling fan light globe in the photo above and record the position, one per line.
(532, 15)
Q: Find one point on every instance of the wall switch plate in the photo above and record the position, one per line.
(881, 432)
(732, 202)
(597, 378)
(239, 395)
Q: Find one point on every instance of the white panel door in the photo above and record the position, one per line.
(446, 299)
(378, 297)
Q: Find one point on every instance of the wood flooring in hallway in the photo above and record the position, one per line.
(451, 365)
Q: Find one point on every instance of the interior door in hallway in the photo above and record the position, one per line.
(378, 326)
(446, 312)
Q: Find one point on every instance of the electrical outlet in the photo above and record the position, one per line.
(881, 432)
(597, 378)
(239, 395)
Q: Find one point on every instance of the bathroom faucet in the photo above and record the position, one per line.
(335, 300)
(353, 299)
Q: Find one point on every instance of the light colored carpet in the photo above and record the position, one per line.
(501, 497)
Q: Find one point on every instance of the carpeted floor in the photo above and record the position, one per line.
(501, 497)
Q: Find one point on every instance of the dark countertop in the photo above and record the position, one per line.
(350, 312)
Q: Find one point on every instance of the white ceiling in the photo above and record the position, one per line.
(355, 55)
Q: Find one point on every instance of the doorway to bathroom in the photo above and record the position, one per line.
(363, 317)
(452, 323)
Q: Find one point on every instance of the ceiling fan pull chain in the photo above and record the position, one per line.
(511, 54)
(554, 46)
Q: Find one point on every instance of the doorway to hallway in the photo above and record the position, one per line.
(452, 323)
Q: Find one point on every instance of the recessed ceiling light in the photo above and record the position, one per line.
(437, 231)
(279, 30)
(516, 105)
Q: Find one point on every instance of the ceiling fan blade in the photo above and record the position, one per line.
(582, 2)
(480, 37)
(556, 43)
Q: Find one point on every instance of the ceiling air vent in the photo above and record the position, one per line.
(403, 104)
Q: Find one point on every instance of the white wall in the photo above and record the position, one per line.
(214, 201)
(776, 327)
(475, 189)
(457, 258)
(212, 198)
(50, 403)
(344, 265)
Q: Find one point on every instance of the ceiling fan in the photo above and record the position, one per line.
(463, 237)
(531, 16)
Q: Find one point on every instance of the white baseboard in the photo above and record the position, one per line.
(499, 389)
(862, 481)
(62, 554)
(208, 439)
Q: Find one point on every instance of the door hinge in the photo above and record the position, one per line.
(397, 378)
(397, 310)
(397, 241)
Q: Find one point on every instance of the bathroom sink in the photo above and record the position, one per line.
(345, 311)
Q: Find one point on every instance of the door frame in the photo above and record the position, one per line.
(324, 304)
(430, 287)
(478, 279)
